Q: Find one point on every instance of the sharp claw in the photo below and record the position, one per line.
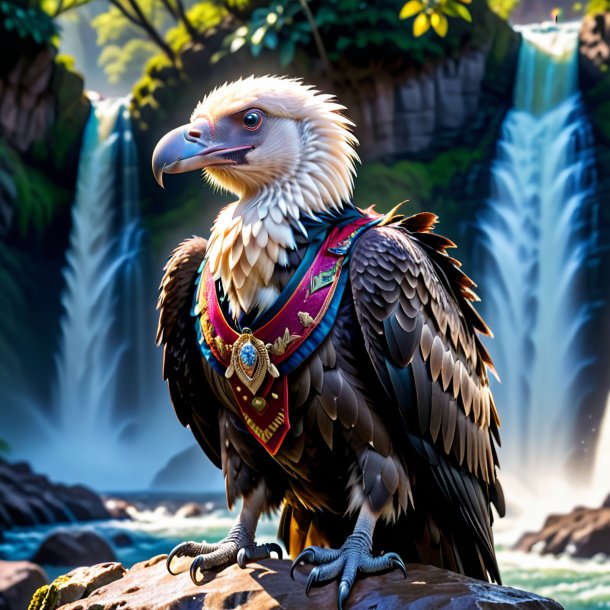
(272, 547)
(344, 589)
(305, 556)
(397, 562)
(310, 580)
(242, 559)
(197, 565)
(177, 551)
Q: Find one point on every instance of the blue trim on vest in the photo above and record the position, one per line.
(324, 327)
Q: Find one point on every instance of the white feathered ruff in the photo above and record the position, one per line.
(304, 168)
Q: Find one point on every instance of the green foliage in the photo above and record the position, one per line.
(267, 28)
(385, 185)
(350, 29)
(204, 17)
(598, 6)
(125, 47)
(426, 185)
(29, 23)
(124, 64)
(4, 446)
(434, 13)
(57, 7)
(113, 27)
(130, 41)
(503, 8)
(38, 196)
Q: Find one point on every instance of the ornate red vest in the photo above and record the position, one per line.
(258, 359)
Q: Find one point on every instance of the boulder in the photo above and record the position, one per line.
(31, 499)
(18, 582)
(74, 548)
(584, 532)
(77, 584)
(267, 586)
(118, 508)
(188, 510)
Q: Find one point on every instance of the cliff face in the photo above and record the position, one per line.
(268, 586)
(594, 80)
(420, 112)
(43, 112)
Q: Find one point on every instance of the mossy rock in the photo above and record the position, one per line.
(73, 109)
(47, 597)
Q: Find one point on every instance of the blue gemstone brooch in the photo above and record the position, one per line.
(250, 361)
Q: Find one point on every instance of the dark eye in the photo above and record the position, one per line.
(253, 120)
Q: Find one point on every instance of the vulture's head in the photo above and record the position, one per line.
(286, 151)
(269, 134)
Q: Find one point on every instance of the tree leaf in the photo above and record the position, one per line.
(236, 44)
(411, 8)
(258, 35)
(271, 39)
(218, 56)
(449, 9)
(463, 12)
(421, 25)
(439, 23)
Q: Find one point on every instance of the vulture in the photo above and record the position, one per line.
(328, 358)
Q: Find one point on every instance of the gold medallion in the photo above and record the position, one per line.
(250, 361)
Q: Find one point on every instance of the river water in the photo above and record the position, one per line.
(576, 584)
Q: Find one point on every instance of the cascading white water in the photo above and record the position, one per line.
(533, 255)
(110, 405)
(85, 389)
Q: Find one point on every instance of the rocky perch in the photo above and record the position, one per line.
(584, 533)
(268, 586)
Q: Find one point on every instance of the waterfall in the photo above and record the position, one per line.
(94, 263)
(536, 235)
(110, 405)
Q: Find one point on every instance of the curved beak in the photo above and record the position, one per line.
(187, 148)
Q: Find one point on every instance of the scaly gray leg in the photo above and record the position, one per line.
(354, 557)
(238, 547)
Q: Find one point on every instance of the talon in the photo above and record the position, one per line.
(272, 547)
(242, 559)
(197, 565)
(344, 589)
(397, 562)
(248, 554)
(306, 556)
(313, 575)
(179, 551)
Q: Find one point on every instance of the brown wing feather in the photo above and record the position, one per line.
(182, 364)
(420, 328)
(430, 312)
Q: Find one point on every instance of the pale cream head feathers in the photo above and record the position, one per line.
(304, 167)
